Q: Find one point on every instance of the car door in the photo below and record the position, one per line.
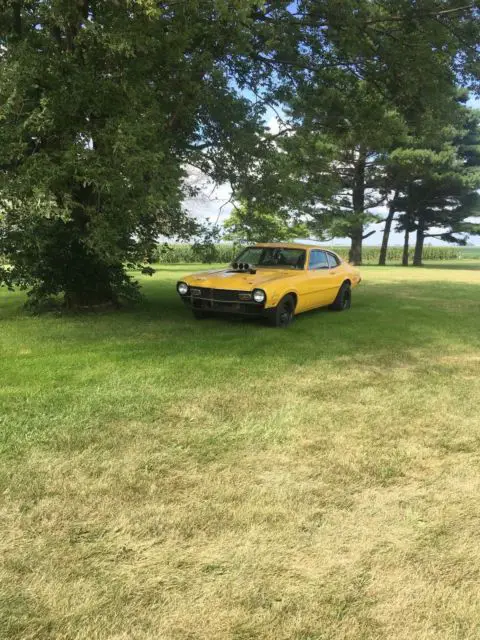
(336, 275)
(319, 282)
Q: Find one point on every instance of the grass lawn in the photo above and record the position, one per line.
(167, 478)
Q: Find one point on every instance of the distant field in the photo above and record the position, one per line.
(469, 253)
(224, 252)
(430, 253)
(162, 478)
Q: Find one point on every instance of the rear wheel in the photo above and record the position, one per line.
(284, 313)
(343, 301)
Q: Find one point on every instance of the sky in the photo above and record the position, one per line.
(213, 204)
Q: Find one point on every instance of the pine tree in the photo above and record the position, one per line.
(438, 186)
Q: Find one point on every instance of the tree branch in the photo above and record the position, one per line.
(427, 14)
(272, 136)
(377, 203)
(436, 235)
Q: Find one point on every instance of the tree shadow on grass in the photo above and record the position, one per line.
(118, 366)
(386, 321)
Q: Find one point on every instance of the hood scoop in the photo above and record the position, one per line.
(242, 267)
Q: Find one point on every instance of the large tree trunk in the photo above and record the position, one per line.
(405, 247)
(356, 236)
(418, 255)
(386, 234)
(358, 202)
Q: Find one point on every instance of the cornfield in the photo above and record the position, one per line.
(370, 255)
(224, 253)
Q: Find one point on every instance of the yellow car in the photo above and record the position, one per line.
(275, 280)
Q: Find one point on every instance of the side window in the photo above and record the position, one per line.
(318, 260)
(333, 261)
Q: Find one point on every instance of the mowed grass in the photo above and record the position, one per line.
(167, 478)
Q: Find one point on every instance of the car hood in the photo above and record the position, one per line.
(227, 279)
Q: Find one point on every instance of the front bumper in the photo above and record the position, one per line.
(224, 302)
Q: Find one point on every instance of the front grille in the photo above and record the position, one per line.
(223, 301)
(223, 295)
(226, 294)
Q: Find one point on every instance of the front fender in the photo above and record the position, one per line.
(274, 296)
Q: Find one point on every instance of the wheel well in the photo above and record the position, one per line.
(347, 281)
(294, 296)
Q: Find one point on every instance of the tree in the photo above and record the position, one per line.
(440, 185)
(352, 66)
(255, 223)
(386, 231)
(276, 199)
(102, 105)
(362, 131)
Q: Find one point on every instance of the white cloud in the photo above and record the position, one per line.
(212, 202)
(273, 125)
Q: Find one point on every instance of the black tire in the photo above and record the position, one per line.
(199, 314)
(284, 313)
(343, 301)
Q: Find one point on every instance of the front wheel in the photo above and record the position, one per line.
(284, 312)
(343, 301)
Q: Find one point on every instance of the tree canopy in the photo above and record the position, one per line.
(101, 107)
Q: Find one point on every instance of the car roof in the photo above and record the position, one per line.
(292, 245)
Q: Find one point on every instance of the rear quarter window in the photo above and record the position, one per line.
(333, 261)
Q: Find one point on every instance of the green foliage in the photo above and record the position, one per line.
(437, 182)
(356, 67)
(101, 108)
(256, 223)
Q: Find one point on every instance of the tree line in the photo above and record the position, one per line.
(104, 106)
(427, 185)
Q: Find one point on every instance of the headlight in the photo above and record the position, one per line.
(259, 295)
(182, 288)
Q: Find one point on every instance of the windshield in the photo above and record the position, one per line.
(273, 257)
